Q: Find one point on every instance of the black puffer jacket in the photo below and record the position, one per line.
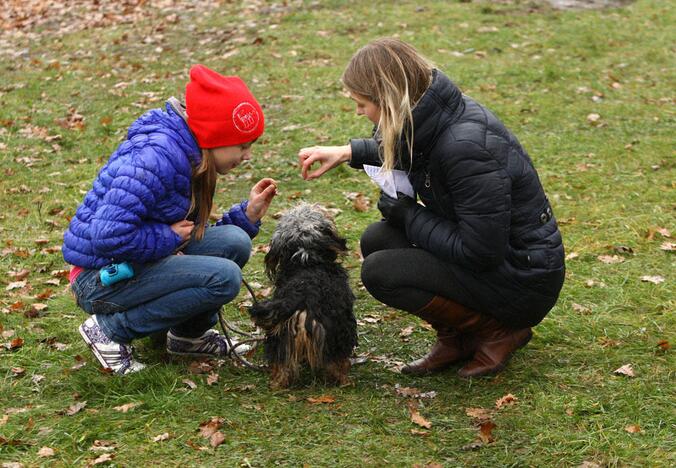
(485, 208)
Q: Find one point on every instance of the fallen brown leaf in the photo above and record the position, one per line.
(74, 408)
(655, 279)
(46, 452)
(416, 418)
(481, 414)
(105, 458)
(216, 439)
(508, 399)
(486, 432)
(323, 399)
(190, 383)
(663, 345)
(212, 378)
(625, 370)
(126, 407)
(208, 428)
(161, 437)
(633, 428)
(610, 259)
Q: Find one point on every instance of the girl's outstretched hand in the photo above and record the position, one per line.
(183, 228)
(260, 197)
(328, 157)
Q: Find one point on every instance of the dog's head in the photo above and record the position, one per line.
(304, 236)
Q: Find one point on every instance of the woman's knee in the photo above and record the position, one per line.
(374, 275)
(381, 236)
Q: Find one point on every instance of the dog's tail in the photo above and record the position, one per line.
(305, 340)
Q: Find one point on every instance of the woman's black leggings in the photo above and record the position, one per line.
(401, 275)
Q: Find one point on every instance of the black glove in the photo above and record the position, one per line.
(396, 210)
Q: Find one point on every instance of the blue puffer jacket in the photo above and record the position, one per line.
(143, 189)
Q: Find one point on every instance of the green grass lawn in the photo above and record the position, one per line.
(67, 99)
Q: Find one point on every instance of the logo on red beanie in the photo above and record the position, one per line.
(245, 117)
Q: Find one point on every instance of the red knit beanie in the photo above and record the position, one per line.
(221, 109)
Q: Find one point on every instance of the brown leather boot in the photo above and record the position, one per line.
(451, 346)
(494, 345)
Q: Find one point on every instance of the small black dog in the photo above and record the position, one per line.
(309, 319)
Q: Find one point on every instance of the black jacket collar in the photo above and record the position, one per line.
(437, 108)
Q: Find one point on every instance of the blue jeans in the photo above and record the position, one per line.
(180, 292)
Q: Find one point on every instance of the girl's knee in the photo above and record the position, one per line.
(225, 282)
(237, 244)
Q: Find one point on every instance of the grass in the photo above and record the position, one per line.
(611, 184)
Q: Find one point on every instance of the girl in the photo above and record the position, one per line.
(481, 259)
(147, 216)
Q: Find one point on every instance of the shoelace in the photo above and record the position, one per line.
(125, 358)
(218, 341)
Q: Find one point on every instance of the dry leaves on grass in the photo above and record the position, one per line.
(479, 414)
(655, 279)
(610, 259)
(663, 345)
(216, 439)
(506, 400)
(652, 231)
(323, 399)
(73, 409)
(105, 458)
(486, 432)
(192, 385)
(416, 417)
(626, 369)
(161, 437)
(412, 392)
(212, 378)
(104, 446)
(46, 452)
(126, 407)
(210, 427)
(633, 428)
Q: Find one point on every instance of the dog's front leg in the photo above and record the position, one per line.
(336, 372)
(280, 376)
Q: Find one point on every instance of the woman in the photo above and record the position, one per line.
(145, 224)
(481, 257)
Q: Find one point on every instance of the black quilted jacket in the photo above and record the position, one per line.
(484, 207)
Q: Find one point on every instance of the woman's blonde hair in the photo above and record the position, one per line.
(394, 76)
(203, 184)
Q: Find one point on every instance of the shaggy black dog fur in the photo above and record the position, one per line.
(309, 318)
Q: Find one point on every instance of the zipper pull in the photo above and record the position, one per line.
(427, 180)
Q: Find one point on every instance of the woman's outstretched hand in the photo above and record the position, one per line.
(260, 197)
(328, 157)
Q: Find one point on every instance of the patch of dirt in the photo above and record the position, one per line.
(66, 16)
(587, 4)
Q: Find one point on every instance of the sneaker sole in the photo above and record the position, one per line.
(96, 353)
(177, 354)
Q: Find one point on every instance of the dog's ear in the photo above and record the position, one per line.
(272, 259)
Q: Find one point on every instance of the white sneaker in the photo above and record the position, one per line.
(211, 343)
(112, 355)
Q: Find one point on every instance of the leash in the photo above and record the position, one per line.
(253, 339)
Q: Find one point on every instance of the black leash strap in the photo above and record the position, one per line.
(253, 339)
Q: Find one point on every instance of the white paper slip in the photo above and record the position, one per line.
(390, 181)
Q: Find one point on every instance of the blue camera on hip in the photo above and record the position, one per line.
(115, 272)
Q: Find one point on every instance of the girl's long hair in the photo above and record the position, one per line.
(203, 184)
(394, 76)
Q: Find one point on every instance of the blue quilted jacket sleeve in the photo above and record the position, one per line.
(237, 216)
(122, 228)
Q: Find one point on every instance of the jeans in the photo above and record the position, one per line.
(181, 293)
